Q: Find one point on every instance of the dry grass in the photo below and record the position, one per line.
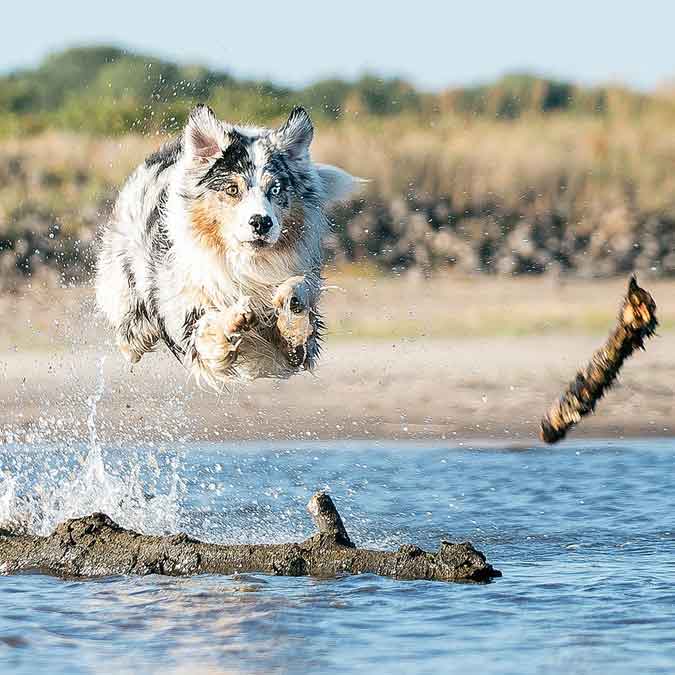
(365, 305)
(578, 194)
(585, 164)
(602, 171)
(67, 176)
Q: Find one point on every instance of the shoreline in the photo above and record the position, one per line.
(465, 391)
(439, 360)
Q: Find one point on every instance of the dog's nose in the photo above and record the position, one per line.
(261, 225)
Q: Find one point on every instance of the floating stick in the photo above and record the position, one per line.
(636, 321)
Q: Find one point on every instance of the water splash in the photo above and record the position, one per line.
(8, 502)
(138, 488)
(94, 467)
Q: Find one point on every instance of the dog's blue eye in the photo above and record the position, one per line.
(275, 189)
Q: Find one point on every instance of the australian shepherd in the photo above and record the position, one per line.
(214, 248)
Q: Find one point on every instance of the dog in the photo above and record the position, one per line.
(215, 248)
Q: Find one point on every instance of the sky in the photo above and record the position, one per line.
(433, 43)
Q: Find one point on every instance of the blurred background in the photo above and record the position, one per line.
(521, 161)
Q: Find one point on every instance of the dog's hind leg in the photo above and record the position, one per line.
(136, 335)
(119, 300)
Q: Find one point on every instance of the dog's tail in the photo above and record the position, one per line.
(338, 185)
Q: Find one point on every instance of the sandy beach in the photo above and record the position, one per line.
(404, 359)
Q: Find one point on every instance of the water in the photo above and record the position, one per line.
(42, 484)
(583, 533)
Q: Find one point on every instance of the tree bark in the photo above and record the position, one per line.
(636, 322)
(95, 546)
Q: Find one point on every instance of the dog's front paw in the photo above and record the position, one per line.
(215, 342)
(240, 317)
(292, 304)
(293, 296)
(218, 334)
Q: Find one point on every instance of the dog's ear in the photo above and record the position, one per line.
(205, 136)
(337, 185)
(295, 134)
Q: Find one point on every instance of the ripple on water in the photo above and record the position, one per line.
(584, 536)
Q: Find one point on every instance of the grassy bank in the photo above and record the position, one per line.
(584, 197)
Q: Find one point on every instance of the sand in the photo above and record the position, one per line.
(399, 377)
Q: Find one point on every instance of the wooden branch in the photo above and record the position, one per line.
(327, 519)
(96, 546)
(636, 322)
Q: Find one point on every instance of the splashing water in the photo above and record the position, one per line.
(47, 485)
(8, 501)
(93, 467)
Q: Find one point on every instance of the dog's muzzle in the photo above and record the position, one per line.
(260, 225)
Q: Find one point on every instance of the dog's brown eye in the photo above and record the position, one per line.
(232, 190)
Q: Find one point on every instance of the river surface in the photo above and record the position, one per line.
(584, 534)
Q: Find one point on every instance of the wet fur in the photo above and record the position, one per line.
(181, 264)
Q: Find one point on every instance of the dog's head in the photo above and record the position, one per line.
(248, 189)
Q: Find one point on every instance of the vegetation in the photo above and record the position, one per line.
(108, 90)
(523, 176)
